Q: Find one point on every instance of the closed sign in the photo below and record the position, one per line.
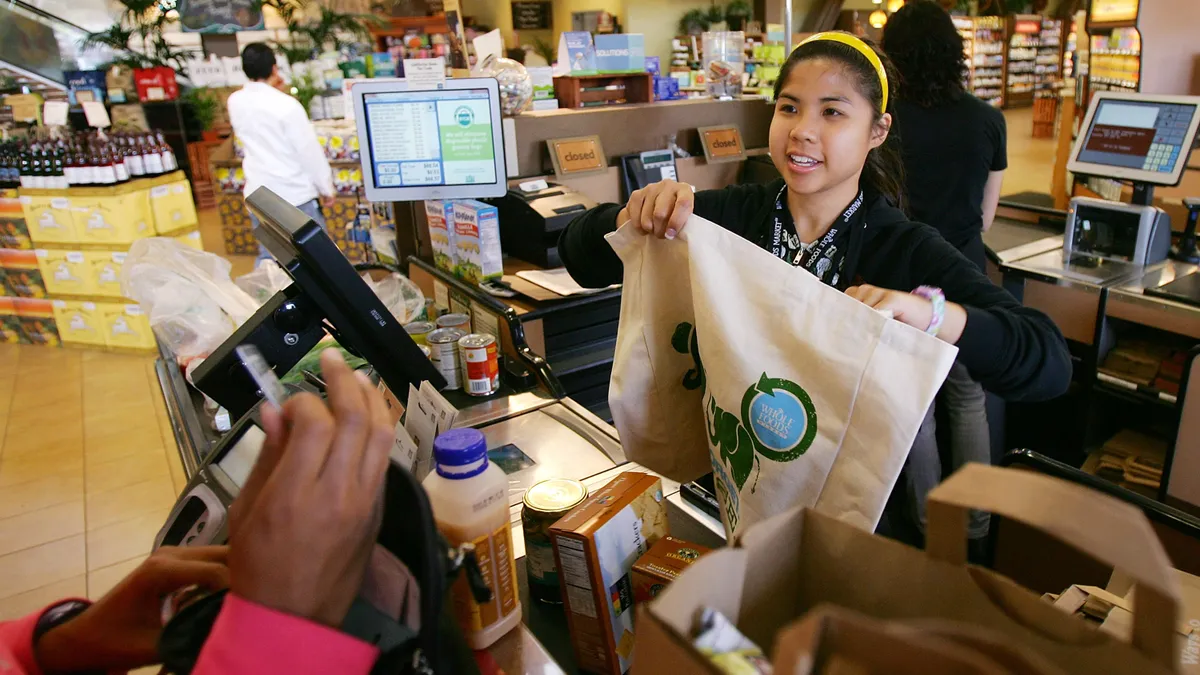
(722, 144)
(575, 156)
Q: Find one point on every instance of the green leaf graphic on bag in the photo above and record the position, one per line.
(684, 342)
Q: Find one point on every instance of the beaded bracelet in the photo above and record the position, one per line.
(938, 298)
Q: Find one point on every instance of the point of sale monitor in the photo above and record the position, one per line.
(430, 143)
(1138, 137)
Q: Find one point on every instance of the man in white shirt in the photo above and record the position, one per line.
(282, 152)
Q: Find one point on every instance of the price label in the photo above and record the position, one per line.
(96, 114)
(159, 191)
(425, 73)
(54, 113)
(74, 257)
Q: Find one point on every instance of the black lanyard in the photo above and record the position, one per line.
(825, 257)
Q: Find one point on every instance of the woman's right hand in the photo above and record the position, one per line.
(660, 209)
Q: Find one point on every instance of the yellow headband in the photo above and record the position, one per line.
(862, 48)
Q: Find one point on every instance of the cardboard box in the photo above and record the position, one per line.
(661, 564)
(10, 322)
(38, 322)
(64, 272)
(22, 276)
(172, 207)
(103, 270)
(192, 239)
(49, 219)
(440, 215)
(79, 323)
(478, 256)
(126, 327)
(155, 84)
(85, 85)
(110, 219)
(119, 81)
(595, 546)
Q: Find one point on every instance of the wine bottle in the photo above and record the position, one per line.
(118, 162)
(25, 176)
(152, 157)
(168, 155)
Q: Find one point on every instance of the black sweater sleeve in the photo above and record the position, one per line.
(592, 263)
(1014, 351)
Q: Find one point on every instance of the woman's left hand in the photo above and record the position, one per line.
(906, 307)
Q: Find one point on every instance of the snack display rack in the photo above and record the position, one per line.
(984, 39)
(1021, 75)
(1048, 67)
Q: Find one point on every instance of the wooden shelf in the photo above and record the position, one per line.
(634, 88)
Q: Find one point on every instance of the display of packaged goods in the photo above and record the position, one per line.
(661, 564)
(595, 548)
(155, 84)
(104, 272)
(49, 219)
(10, 322)
(478, 256)
(85, 86)
(118, 82)
(172, 207)
(64, 272)
(13, 232)
(116, 219)
(38, 322)
(79, 322)
(22, 275)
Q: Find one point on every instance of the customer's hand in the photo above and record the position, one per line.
(303, 526)
(327, 201)
(660, 209)
(121, 631)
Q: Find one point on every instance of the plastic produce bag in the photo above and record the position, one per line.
(400, 295)
(192, 303)
(266, 280)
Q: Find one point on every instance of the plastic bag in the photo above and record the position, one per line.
(266, 279)
(192, 304)
(400, 295)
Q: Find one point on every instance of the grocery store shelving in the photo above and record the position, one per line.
(984, 45)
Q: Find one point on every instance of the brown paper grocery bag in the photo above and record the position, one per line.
(793, 394)
(786, 565)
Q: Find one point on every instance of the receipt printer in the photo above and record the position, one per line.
(531, 221)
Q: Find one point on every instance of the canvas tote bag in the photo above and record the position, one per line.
(732, 361)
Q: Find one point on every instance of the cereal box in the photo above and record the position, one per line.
(440, 215)
(661, 564)
(596, 545)
(478, 256)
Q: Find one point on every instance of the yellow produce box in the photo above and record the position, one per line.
(191, 239)
(64, 272)
(49, 220)
(126, 327)
(79, 323)
(173, 207)
(104, 272)
(113, 219)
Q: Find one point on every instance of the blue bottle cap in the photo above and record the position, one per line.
(460, 453)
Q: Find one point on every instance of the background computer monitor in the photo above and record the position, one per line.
(1138, 137)
(328, 295)
(444, 143)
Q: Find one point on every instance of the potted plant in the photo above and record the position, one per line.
(140, 20)
(693, 22)
(545, 50)
(737, 14)
(204, 105)
(716, 18)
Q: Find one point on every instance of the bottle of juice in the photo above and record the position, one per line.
(469, 496)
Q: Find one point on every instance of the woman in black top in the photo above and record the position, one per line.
(833, 214)
(953, 144)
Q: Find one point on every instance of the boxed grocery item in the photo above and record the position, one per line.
(22, 276)
(107, 219)
(49, 219)
(38, 321)
(131, 116)
(78, 323)
(155, 84)
(661, 564)
(126, 327)
(595, 546)
(10, 322)
(85, 85)
(191, 239)
(478, 256)
(64, 272)
(14, 234)
(119, 83)
(104, 272)
(440, 215)
(172, 207)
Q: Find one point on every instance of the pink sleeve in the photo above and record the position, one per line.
(250, 638)
(16, 645)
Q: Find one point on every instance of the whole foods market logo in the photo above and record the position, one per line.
(464, 116)
(778, 422)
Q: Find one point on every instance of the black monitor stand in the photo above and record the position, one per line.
(1186, 251)
(1143, 194)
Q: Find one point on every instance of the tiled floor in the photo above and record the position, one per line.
(88, 472)
(1030, 160)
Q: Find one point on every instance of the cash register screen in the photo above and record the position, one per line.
(1137, 137)
(431, 143)
(240, 458)
(1105, 233)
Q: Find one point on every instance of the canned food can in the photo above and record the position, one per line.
(459, 321)
(425, 350)
(480, 364)
(443, 351)
(419, 330)
(544, 504)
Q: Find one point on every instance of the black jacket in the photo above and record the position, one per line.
(1014, 351)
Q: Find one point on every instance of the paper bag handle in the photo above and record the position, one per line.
(1111, 531)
